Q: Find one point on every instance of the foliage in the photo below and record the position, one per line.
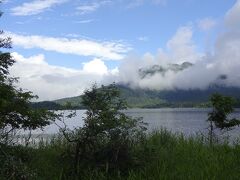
(46, 105)
(222, 107)
(106, 138)
(14, 163)
(15, 114)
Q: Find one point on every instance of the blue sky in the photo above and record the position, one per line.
(84, 36)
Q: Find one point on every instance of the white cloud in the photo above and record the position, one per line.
(181, 47)
(115, 71)
(223, 61)
(83, 47)
(95, 66)
(207, 24)
(34, 7)
(52, 82)
(232, 17)
(89, 8)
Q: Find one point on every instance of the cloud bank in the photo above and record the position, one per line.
(220, 66)
(223, 61)
(53, 82)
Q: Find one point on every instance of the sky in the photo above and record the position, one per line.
(62, 47)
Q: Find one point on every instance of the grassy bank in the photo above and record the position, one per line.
(161, 155)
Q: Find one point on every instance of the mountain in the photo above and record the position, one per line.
(142, 98)
(74, 101)
(145, 98)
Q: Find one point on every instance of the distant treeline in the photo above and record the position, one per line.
(51, 105)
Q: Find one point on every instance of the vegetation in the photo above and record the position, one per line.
(15, 114)
(110, 145)
(113, 146)
(222, 107)
(105, 140)
(160, 155)
(15, 110)
(46, 105)
(140, 98)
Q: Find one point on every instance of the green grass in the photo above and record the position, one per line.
(174, 157)
(161, 155)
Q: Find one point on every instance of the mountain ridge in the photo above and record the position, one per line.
(146, 98)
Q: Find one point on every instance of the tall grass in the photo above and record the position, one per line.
(175, 157)
(160, 155)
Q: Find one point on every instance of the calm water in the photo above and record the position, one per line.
(185, 120)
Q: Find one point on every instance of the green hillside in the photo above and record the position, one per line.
(141, 98)
(75, 101)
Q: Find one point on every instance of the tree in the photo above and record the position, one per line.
(15, 113)
(108, 133)
(222, 107)
(15, 110)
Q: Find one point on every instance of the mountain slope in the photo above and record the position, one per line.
(140, 98)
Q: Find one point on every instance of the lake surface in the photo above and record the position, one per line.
(188, 121)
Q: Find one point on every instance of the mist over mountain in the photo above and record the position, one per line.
(139, 96)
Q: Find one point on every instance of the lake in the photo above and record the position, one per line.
(188, 121)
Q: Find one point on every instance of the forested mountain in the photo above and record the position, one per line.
(142, 98)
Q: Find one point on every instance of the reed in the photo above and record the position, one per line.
(160, 155)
